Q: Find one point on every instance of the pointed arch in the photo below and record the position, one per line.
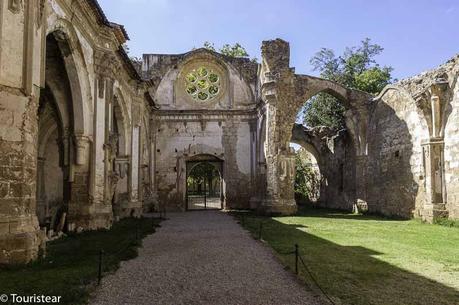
(77, 70)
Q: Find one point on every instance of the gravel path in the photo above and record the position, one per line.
(202, 258)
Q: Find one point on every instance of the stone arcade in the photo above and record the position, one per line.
(88, 137)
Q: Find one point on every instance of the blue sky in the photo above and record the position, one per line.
(416, 34)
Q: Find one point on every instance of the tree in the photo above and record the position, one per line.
(307, 177)
(355, 69)
(235, 50)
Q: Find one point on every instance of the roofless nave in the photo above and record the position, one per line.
(86, 138)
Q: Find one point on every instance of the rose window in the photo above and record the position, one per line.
(202, 84)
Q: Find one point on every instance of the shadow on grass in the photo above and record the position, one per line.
(350, 274)
(312, 211)
(70, 268)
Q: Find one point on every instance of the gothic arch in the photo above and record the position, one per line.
(77, 70)
(121, 113)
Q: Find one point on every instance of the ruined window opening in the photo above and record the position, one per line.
(202, 84)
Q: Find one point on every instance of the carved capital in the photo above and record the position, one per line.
(81, 144)
(106, 63)
(15, 6)
(432, 103)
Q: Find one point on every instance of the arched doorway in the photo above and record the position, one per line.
(307, 177)
(119, 159)
(55, 142)
(204, 184)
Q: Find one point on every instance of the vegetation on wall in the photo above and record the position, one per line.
(355, 69)
(307, 178)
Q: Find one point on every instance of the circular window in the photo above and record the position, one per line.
(202, 84)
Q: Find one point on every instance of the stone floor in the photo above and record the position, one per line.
(202, 257)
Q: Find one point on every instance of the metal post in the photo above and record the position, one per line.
(205, 194)
(99, 276)
(296, 259)
(260, 230)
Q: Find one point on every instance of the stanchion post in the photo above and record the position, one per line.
(99, 275)
(260, 230)
(296, 259)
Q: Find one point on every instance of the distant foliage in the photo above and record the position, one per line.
(355, 69)
(235, 50)
(307, 178)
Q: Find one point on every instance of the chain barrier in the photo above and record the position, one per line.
(106, 258)
(299, 258)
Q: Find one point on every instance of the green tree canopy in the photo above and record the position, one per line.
(355, 69)
(235, 50)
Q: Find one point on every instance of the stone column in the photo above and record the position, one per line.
(434, 206)
(20, 58)
(432, 103)
(277, 89)
(100, 213)
(80, 203)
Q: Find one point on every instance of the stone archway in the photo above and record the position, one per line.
(56, 125)
(283, 93)
(62, 95)
(205, 188)
(52, 172)
(119, 182)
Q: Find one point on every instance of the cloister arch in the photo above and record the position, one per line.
(57, 122)
(76, 66)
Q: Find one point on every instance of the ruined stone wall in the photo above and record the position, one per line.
(71, 51)
(413, 146)
(335, 155)
(452, 155)
(395, 169)
(227, 138)
(337, 165)
(187, 126)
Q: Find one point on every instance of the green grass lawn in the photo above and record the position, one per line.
(365, 260)
(70, 267)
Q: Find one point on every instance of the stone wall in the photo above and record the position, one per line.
(72, 56)
(125, 131)
(413, 147)
(395, 170)
(186, 127)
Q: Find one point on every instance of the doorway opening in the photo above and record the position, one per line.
(204, 185)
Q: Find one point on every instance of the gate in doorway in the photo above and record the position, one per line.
(204, 184)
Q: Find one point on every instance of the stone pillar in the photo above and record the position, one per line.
(41, 189)
(19, 229)
(432, 102)
(277, 89)
(434, 206)
(107, 67)
(361, 204)
(80, 203)
(20, 59)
